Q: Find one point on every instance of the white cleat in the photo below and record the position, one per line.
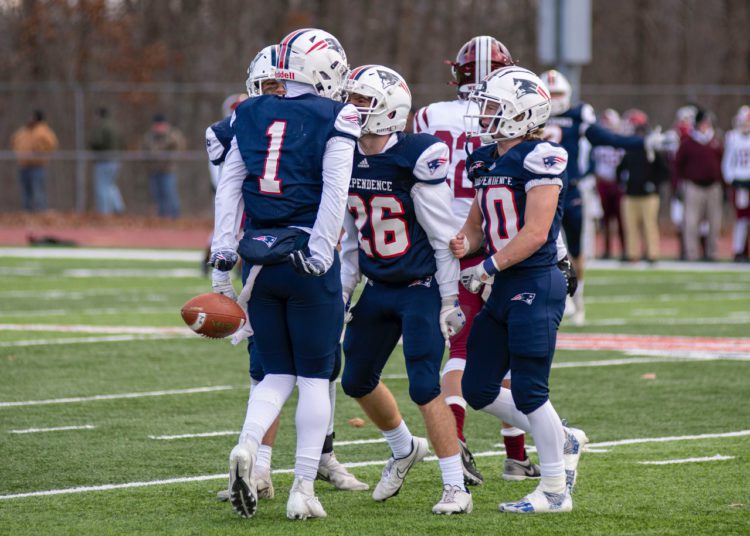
(331, 470)
(263, 483)
(540, 502)
(456, 500)
(242, 492)
(395, 470)
(303, 503)
(570, 307)
(223, 495)
(579, 317)
(575, 443)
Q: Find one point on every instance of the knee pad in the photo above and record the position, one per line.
(357, 383)
(530, 391)
(424, 381)
(274, 389)
(479, 396)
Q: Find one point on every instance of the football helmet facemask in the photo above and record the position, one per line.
(477, 58)
(315, 57)
(512, 102)
(560, 89)
(391, 98)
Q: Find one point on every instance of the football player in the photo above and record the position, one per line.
(567, 126)
(289, 163)
(517, 212)
(476, 59)
(736, 169)
(262, 80)
(397, 231)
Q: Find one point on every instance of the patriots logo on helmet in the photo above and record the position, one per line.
(525, 297)
(387, 79)
(524, 87)
(266, 239)
(550, 161)
(434, 165)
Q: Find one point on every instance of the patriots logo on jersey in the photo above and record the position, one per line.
(434, 165)
(266, 239)
(352, 118)
(550, 161)
(425, 282)
(525, 297)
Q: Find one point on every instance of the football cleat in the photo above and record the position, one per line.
(331, 470)
(395, 470)
(303, 503)
(539, 502)
(520, 470)
(575, 443)
(263, 484)
(242, 492)
(455, 500)
(472, 476)
(223, 495)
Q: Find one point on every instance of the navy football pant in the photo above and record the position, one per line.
(382, 315)
(572, 221)
(516, 330)
(297, 322)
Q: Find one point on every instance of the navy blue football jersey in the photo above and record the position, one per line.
(282, 142)
(567, 129)
(219, 139)
(501, 185)
(393, 246)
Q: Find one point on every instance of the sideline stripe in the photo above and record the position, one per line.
(223, 476)
(716, 458)
(56, 429)
(116, 396)
(163, 255)
(79, 328)
(85, 340)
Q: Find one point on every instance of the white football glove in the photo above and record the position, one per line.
(305, 265)
(473, 278)
(452, 318)
(221, 283)
(346, 295)
(654, 141)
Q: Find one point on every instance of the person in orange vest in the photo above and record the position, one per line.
(32, 144)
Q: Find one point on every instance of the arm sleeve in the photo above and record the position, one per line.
(562, 250)
(545, 165)
(726, 160)
(337, 171)
(432, 204)
(214, 148)
(229, 203)
(432, 165)
(599, 135)
(347, 124)
(349, 255)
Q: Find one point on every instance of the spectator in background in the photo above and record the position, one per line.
(104, 139)
(683, 125)
(641, 172)
(32, 143)
(736, 169)
(605, 160)
(162, 139)
(698, 165)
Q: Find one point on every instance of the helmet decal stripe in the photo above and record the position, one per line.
(317, 46)
(285, 51)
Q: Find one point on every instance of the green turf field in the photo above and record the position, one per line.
(71, 356)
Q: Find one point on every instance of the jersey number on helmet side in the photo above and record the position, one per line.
(270, 183)
(389, 233)
(501, 215)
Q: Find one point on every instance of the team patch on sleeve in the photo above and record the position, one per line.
(348, 122)
(432, 165)
(214, 148)
(546, 160)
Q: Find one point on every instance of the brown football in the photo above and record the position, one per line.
(213, 315)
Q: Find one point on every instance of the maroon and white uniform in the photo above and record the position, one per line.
(736, 170)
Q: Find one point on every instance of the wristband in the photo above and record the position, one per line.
(489, 265)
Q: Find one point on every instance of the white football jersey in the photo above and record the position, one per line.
(736, 162)
(446, 121)
(606, 159)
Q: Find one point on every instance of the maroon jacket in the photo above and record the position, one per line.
(699, 163)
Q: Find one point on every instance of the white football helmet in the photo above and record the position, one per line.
(560, 90)
(263, 67)
(742, 119)
(314, 57)
(522, 105)
(391, 98)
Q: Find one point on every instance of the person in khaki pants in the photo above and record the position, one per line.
(641, 173)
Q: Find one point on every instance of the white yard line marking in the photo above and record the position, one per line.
(87, 340)
(665, 298)
(668, 439)
(125, 272)
(716, 458)
(358, 442)
(692, 321)
(116, 396)
(78, 328)
(188, 436)
(183, 255)
(124, 310)
(223, 476)
(55, 429)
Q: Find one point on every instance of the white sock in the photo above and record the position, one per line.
(549, 439)
(578, 296)
(332, 398)
(455, 400)
(739, 236)
(313, 414)
(264, 405)
(504, 408)
(511, 432)
(452, 470)
(263, 460)
(400, 440)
